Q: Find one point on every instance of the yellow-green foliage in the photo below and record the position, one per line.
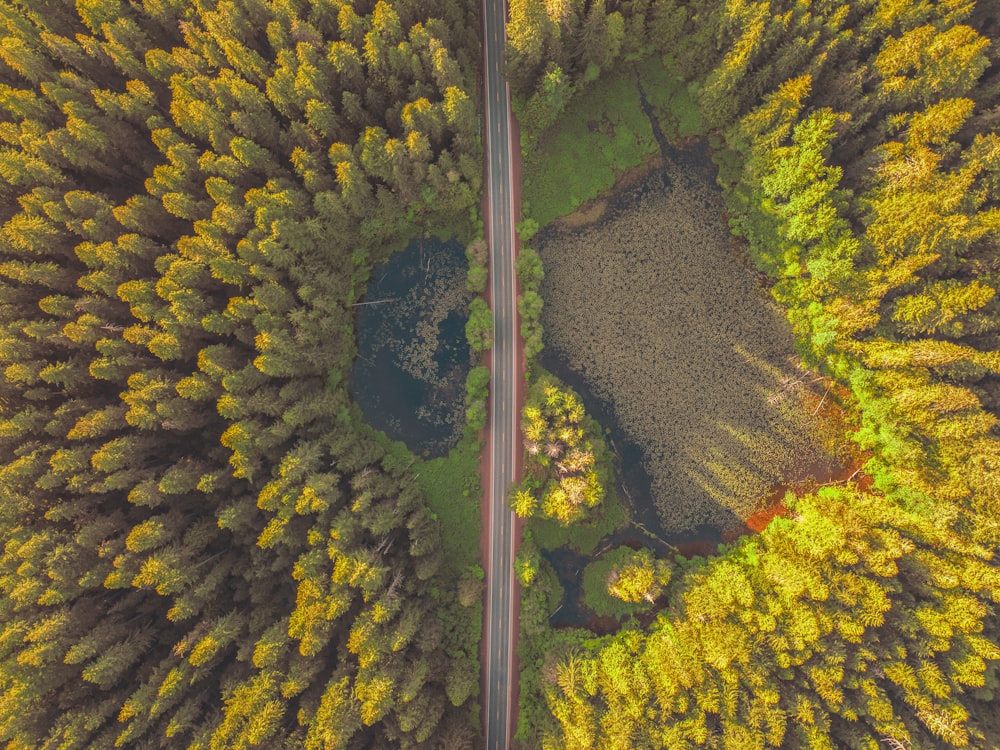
(624, 581)
(199, 544)
(792, 632)
(858, 149)
(562, 457)
(639, 578)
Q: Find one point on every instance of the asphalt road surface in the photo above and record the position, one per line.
(500, 623)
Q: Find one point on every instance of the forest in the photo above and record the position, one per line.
(203, 546)
(858, 153)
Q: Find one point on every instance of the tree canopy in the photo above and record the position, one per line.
(858, 150)
(201, 547)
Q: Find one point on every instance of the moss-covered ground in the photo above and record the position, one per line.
(453, 489)
(602, 134)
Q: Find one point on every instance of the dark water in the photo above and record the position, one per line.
(691, 164)
(413, 358)
(645, 528)
(634, 483)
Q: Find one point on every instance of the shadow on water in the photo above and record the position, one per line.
(413, 357)
(634, 484)
(692, 366)
(646, 528)
(701, 441)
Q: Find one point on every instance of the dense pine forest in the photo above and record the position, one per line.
(858, 152)
(202, 546)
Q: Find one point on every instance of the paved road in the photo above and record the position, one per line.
(500, 623)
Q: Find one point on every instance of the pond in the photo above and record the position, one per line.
(413, 357)
(677, 350)
(569, 566)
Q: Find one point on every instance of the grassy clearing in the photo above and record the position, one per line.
(602, 133)
(654, 311)
(451, 486)
(672, 103)
(453, 490)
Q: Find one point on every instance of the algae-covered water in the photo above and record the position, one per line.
(413, 357)
(667, 335)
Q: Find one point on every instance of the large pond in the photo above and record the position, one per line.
(678, 351)
(413, 357)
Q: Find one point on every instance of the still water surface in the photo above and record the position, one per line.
(413, 357)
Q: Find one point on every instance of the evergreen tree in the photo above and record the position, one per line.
(198, 547)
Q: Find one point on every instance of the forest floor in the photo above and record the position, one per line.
(451, 485)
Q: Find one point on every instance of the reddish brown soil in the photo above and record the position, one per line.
(486, 442)
(775, 506)
(522, 389)
(759, 520)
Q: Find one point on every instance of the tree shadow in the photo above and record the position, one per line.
(689, 360)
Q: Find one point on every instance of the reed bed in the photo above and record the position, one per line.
(675, 336)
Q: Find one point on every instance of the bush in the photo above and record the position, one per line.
(479, 329)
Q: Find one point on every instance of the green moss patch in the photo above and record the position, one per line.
(602, 133)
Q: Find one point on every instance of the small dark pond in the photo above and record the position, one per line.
(413, 357)
(569, 566)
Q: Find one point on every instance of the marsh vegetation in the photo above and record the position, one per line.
(673, 334)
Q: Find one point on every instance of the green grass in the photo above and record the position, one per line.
(602, 132)
(452, 487)
(671, 100)
(582, 537)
